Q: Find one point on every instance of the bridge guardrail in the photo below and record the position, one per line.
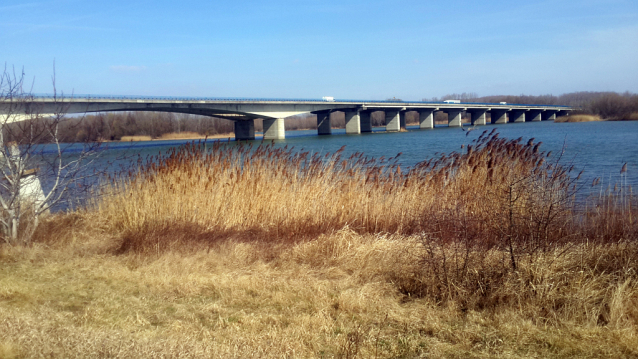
(258, 99)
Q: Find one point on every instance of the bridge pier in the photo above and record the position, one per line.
(392, 120)
(454, 118)
(498, 116)
(365, 122)
(478, 117)
(353, 123)
(426, 118)
(244, 130)
(402, 120)
(534, 115)
(517, 116)
(549, 115)
(324, 123)
(274, 129)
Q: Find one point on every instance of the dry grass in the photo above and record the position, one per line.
(578, 118)
(283, 194)
(135, 138)
(336, 296)
(633, 116)
(265, 252)
(188, 136)
(175, 136)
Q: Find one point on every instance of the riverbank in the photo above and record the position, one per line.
(578, 118)
(267, 252)
(175, 136)
(339, 295)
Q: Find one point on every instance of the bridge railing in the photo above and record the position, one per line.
(260, 99)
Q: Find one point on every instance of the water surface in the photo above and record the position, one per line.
(598, 148)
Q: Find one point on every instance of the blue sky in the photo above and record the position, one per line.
(309, 49)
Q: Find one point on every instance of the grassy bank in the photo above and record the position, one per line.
(268, 252)
(578, 118)
(336, 296)
(176, 136)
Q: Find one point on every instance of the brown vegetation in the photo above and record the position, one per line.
(220, 252)
(135, 138)
(578, 118)
(606, 105)
(146, 126)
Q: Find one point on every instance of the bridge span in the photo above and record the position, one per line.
(243, 112)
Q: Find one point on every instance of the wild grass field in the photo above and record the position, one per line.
(272, 252)
(578, 118)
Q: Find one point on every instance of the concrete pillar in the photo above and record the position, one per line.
(517, 116)
(30, 191)
(498, 115)
(533, 115)
(323, 123)
(392, 120)
(549, 115)
(244, 130)
(454, 117)
(478, 117)
(426, 118)
(365, 122)
(274, 129)
(353, 124)
(402, 120)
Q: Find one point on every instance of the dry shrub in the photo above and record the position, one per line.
(266, 192)
(498, 192)
(9, 351)
(135, 138)
(578, 118)
(58, 229)
(220, 252)
(610, 217)
(495, 225)
(587, 284)
(341, 294)
(183, 135)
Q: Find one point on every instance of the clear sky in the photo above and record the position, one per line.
(308, 49)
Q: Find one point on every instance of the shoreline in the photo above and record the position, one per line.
(171, 137)
(194, 136)
(174, 137)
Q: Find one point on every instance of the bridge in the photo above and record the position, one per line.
(243, 112)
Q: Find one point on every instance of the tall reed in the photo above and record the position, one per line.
(496, 193)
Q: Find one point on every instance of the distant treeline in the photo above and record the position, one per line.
(607, 105)
(114, 125)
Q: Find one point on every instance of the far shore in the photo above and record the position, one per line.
(174, 136)
(188, 136)
(196, 136)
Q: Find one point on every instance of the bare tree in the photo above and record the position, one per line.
(32, 157)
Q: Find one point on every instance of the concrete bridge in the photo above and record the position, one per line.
(273, 111)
